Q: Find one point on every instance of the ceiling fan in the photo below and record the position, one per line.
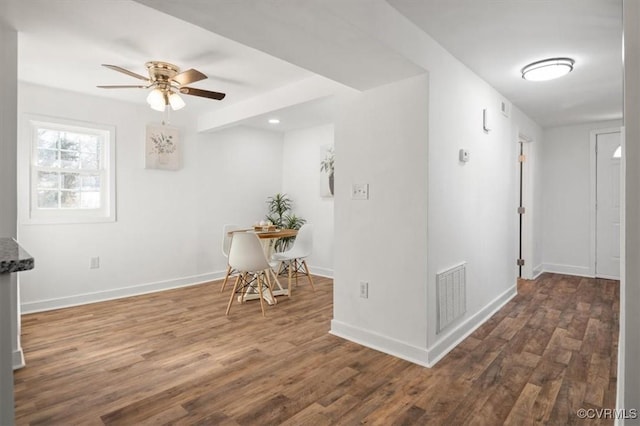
(167, 82)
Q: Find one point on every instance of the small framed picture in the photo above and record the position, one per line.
(327, 157)
(162, 148)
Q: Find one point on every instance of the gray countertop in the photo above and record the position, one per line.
(13, 258)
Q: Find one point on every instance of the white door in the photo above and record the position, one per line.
(608, 153)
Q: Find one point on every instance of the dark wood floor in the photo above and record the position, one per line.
(174, 358)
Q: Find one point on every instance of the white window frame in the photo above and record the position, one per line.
(107, 210)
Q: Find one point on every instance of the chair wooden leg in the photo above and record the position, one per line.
(270, 285)
(259, 284)
(273, 274)
(306, 270)
(296, 266)
(226, 277)
(289, 282)
(233, 294)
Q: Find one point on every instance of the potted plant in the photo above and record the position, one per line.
(279, 214)
(326, 165)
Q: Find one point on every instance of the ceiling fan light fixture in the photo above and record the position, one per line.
(160, 106)
(155, 97)
(168, 82)
(547, 69)
(176, 101)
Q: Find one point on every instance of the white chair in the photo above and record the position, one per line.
(294, 259)
(226, 243)
(247, 257)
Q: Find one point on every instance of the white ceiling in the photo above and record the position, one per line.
(63, 43)
(497, 38)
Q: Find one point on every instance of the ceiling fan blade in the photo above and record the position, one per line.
(124, 71)
(202, 93)
(188, 77)
(123, 87)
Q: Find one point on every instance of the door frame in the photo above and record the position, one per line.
(526, 236)
(593, 137)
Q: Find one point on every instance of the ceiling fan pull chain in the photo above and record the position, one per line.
(167, 113)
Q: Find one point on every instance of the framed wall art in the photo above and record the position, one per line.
(327, 156)
(162, 148)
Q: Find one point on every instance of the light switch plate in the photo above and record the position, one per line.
(360, 191)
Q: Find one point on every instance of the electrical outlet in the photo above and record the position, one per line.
(95, 263)
(364, 289)
(360, 191)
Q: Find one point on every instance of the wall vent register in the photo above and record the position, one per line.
(452, 295)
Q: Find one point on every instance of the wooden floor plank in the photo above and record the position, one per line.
(174, 358)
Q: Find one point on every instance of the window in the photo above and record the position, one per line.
(72, 175)
(618, 152)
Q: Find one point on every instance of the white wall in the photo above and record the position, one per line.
(301, 181)
(237, 169)
(381, 139)
(10, 350)
(472, 207)
(168, 224)
(153, 239)
(8, 131)
(567, 184)
(629, 373)
(471, 213)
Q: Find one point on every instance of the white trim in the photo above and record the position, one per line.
(385, 344)
(102, 296)
(580, 271)
(593, 137)
(321, 272)
(607, 277)
(446, 344)
(18, 359)
(537, 271)
(527, 201)
(135, 290)
(28, 215)
(622, 316)
(422, 356)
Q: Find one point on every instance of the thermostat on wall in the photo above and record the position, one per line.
(464, 155)
(486, 120)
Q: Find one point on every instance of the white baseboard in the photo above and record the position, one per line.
(607, 277)
(136, 290)
(537, 271)
(580, 271)
(453, 338)
(18, 359)
(422, 356)
(101, 296)
(322, 272)
(380, 343)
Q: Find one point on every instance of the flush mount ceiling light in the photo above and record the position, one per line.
(547, 69)
(274, 121)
